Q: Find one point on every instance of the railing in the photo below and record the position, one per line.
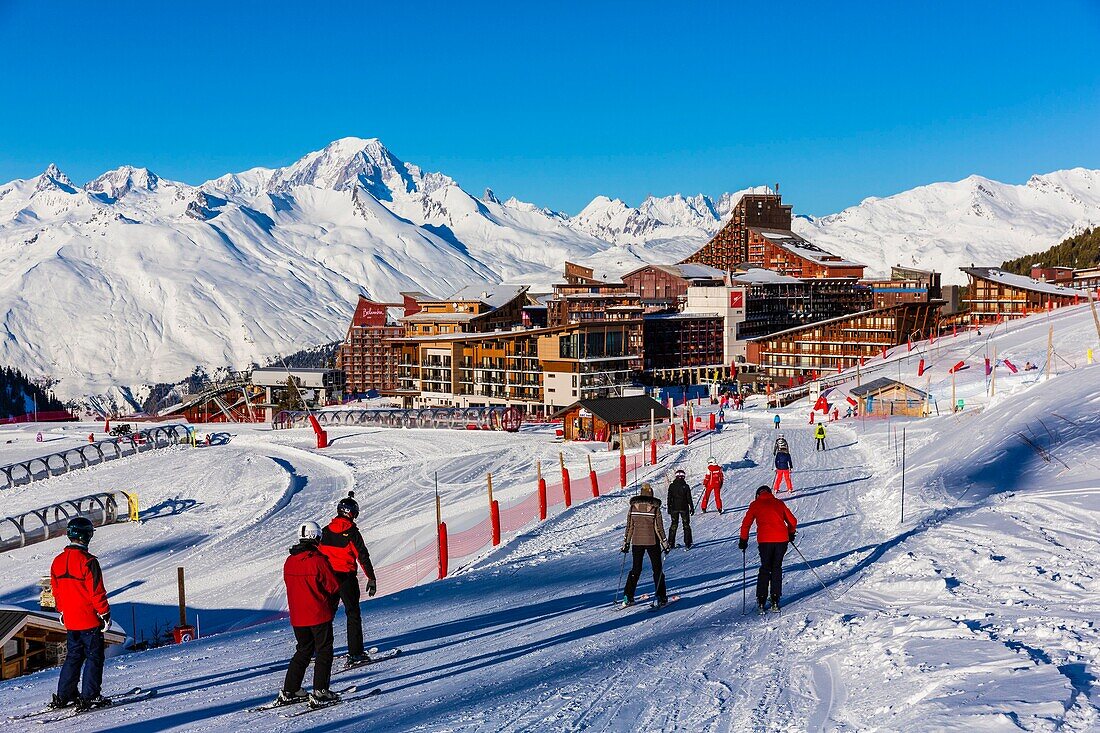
(45, 523)
(91, 454)
(440, 418)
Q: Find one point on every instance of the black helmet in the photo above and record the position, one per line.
(348, 507)
(763, 489)
(80, 530)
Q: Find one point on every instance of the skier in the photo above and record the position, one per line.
(780, 445)
(645, 534)
(76, 581)
(776, 421)
(819, 433)
(836, 414)
(312, 593)
(783, 466)
(680, 507)
(713, 485)
(775, 527)
(343, 545)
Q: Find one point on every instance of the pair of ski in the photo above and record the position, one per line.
(373, 657)
(44, 716)
(652, 606)
(301, 706)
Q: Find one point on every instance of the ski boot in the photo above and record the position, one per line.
(291, 698)
(626, 602)
(58, 702)
(761, 608)
(356, 660)
(660, 603)
(323, 698)
(775, 605)
(91, 703)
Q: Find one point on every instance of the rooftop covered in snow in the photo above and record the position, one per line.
(1022, 282)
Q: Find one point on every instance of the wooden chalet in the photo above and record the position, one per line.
(601, 418)
(32, 640)
(885, 397)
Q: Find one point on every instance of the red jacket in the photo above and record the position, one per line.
(343, 545)
(773, 519)
(311, 586)
(77, 584)
(714, 478)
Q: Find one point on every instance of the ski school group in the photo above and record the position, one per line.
(321, 572)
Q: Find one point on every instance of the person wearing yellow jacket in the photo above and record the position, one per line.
(819, 433)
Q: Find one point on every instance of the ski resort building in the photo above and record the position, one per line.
(675, 343)
(803, 353)
(996, 295)
(729, 248)
(474, 309)
(885, 397)
(601, 419)
(905, 285)
(367, 358)
(758, 234)
(664, 287)
(34, 640)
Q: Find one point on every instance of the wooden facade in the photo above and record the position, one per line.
(663, 287)
(366, 356)
(886, 397)
(729, 248)
(801, 354)
(787, 253)
(34, 640)
(601, 419)
(995, 295)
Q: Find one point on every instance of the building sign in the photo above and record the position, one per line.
(369, 313)
(737, 299)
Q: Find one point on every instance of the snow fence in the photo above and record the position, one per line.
(91, 454)
(39, 525)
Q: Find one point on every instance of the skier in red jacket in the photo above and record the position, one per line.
(713, 485)
(775, 527)
(311, 593)
(343, 545)
(77, 585)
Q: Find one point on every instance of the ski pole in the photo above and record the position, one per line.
(811, 567)
(744, 582)
(619, 583)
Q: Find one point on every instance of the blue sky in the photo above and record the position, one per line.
(560, 102)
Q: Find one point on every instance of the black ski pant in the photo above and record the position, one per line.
(636, 571)
(349, 596)
(771, 570)
(821, 444)
(674, 521)
(312, 641)
(83, 649)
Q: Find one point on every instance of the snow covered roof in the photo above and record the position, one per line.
(1022, 282)
(760, 275)
(494, 296)
(804, 248)
(688, 271)
(883, 384)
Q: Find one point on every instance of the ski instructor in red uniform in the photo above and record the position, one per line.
(775, 527)
(77, 585)
(342, 543)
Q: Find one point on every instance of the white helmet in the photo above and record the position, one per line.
(712, 461)
(309, 531)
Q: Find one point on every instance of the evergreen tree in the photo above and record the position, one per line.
(1080, 251)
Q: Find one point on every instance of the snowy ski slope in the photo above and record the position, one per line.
(978, 613)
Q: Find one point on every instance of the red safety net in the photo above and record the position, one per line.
(518, 516)
(410, 570)
(470, 540)
(555, 494)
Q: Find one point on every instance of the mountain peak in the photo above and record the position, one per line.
(120, 181)
(54, 179)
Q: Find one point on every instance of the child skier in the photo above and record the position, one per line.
(311, 593)
(819, 433)
(775, 527)
(776, 421)
(783, 466)
(712, 484)
(76, 581)
(342, 543)
(680, 506)
(645, 534)
(780, 445)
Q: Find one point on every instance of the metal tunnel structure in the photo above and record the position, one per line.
(91, 454)
(39, 525)
(441, 418)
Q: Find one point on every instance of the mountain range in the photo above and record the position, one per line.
(131, 278)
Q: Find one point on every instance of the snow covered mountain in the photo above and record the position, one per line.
(945, 226)
(132, 278)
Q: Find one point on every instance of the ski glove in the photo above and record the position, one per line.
(105, 621)
(372, 587)
(626, 547)
(742, 544)
(667, 548)
(791, 535)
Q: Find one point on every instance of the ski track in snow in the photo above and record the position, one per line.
(976, 614)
